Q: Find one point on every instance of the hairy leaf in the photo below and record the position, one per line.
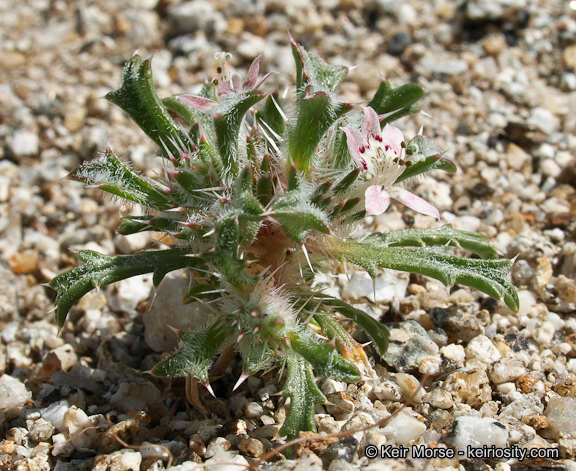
(100, 270)
(313, 70)
(227, 126)
(304, 394)
(347, 346)
(194, 353)
(322, 356)
(445, 235)
(108, 174)
(316, 113)
(272, 118)
(488, 276)
(298, 222)
(134, 224)
(189, 114)
(137, 96)
(225, 256)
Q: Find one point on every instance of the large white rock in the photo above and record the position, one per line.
(403, 429)
(167, 311)
(561, 413)
(388, 285)
(24, 143)
(130, 292)
(13, 394)
(478, 432)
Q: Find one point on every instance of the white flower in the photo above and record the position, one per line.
(380, 153)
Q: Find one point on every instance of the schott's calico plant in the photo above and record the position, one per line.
(260, 195)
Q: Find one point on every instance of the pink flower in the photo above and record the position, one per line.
(228, 84)
(381, 154)
(233, 84)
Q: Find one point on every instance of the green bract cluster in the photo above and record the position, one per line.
(261, 195)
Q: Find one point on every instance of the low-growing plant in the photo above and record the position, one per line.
(262, 194)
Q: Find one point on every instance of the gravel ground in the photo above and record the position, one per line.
(501, 77)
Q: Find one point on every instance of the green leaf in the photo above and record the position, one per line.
(374, 329)
(400, 99)
(488, 276)
(412, 109)
(201, 291)
(316, 113)
(108, 174)
(133, 224)
(347, 346)
(137, 96)
(445, 235)
(304, 395)
(325, 359)
(297, 217)
(271, 119)
(225, 256)
(317, 105)
(345, 183)
(100, 270)
(435, 162)
(311, 69)
(194, 353)
(227, 126)
(424, 155)
(339, 154)
(256, 354)
(189, 114)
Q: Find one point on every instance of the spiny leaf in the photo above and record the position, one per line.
(108, 174)
(323, 357)
(100, 270)
(304, 394)
(225, 256)
(412, 109)
(137, 96)
(256, 354)
(445, 235)
(194, 353)
(488, 276)
(201, 291)
(311, 69)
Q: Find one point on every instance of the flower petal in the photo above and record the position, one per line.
(392, 137)
(236, 83)
(252, 74)
(224, 87)
(356, 145)
(377, 200)
(371, 125)
(263, 79)
(198, 102)
(414, 202)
